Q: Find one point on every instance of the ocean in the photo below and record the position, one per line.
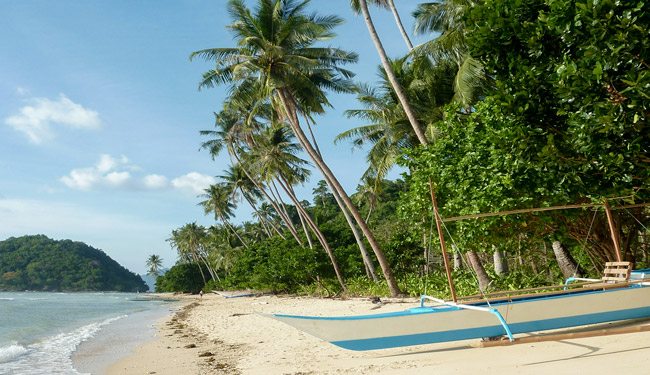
(73, 333)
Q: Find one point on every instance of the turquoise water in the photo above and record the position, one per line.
(40, 332)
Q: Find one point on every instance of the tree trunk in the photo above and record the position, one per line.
(279, 208)
(263, 219)
(400, 26)
(477, 266)
(458, 259)
(368, 265)
(399, 91)
(286, 220)
(567, 264)
(232, 229)
(500, 263)
(319, 235)
(324, 168)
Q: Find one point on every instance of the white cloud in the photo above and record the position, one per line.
(119, 173)
(194, 182)
(37, 119)
(107, 172)
(155, 181)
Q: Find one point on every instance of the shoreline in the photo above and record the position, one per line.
(233, 336)
(174, 348)
(118, 339)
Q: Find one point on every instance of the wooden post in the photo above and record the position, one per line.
(452, 289)
(612, 231)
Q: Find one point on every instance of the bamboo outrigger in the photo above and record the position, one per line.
(619, 295)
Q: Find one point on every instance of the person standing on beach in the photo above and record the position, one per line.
(201, 294)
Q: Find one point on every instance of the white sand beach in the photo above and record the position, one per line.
(216, 335)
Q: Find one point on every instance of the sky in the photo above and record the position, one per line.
(100, 115)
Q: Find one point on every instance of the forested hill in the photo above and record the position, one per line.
(40, 263)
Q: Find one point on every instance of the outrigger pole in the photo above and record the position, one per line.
(612, 230)
(452, 289)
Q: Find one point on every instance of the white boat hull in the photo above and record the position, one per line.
(424, 325)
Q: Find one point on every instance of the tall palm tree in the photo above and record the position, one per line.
(362, 6)
(275, 59)
(217, 200)
(154, 264)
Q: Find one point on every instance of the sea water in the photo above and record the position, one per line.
(40, 332)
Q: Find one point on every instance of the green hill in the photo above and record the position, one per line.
(43, 264)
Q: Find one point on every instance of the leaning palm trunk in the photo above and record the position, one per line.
(477, 266)
(567, 264)
(400, 26)
(195, 259)
(302, 138)
(263, 220)
(319, 235)
(233, 230)
(282, 211)
(287, 220)
(391, 74)
(370, 268)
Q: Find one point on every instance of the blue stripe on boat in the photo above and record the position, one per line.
(444, 308)
(497, 330)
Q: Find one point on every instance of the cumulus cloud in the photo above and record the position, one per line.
(107, 172)
(37, 119)
(193, 182)
(119, 173)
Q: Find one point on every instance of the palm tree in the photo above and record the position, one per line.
(390, 5)
(362, 6)
(429, 89)
(217, 200)
(189, 241)
(233, 133)
(275, 61)
(446, 18)
(154, 264)
(275, 159)
(240, 184)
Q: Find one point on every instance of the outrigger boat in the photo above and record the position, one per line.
(621, 294)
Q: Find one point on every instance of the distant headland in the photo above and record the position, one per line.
(40, 263)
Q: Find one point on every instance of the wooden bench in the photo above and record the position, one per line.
(614, 273)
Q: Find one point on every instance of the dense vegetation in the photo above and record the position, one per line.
(514, 105)
(41, 264)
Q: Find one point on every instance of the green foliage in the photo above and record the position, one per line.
(277, 265)
(40, 263)
(182, 277)
(576, 74)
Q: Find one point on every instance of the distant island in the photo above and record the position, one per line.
(39, 263)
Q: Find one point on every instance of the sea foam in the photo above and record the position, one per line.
(50, 356)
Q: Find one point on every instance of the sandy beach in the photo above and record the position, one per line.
(215, 335)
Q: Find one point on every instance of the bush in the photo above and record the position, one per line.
(182, 277)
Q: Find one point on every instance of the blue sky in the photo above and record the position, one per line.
(100, 114)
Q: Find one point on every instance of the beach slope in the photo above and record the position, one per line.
(217, 335)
